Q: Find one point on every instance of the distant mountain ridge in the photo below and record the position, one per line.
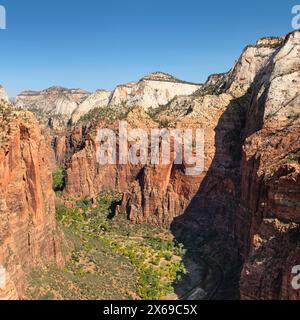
(59, 106)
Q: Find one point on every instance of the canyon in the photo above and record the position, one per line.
(241, 214)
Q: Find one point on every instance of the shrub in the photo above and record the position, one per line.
(59, 179)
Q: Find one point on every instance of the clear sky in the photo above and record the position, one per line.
(95, 44)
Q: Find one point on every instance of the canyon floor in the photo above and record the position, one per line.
(114, 259)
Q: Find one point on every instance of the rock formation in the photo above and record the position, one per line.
(28, 232)
(269, 214)
(220, 108)
(54, 106)
(99, 99)
(249, 191)
(151, 92)
(84, 175)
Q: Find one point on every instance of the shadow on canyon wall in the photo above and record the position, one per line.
(207, 228)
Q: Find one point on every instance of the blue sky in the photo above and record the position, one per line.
(99, 44)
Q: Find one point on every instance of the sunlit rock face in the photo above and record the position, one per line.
(151, 92)
(269, 215)
(54, 106)
(98, 99)
(28, 233)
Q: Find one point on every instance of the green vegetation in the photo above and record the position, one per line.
(163, 76)
(92, 272)
(6, 114)
(293, 157)
(294, 117)
(59, 179)
(108, 114)
(113, 258)
(163, 123)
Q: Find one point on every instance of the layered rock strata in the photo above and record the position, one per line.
(28, 233)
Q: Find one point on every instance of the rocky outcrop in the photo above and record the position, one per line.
(84, 175)
(28, 233)
(268, 220)
(151, 92)
(99, 99)
(163, 192)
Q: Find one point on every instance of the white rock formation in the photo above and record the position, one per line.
(55, 100)
(57, 106)
(96, 100)
(151, 92)
(54, 105)
(253, 59)
(283, 98)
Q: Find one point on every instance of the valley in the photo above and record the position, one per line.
(74, 229)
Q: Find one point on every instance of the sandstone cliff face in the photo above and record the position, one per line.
(151, 92)
(84, 175)
(268, 218)
(99, 99)
(28, 233)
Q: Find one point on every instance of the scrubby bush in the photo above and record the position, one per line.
(58, 179)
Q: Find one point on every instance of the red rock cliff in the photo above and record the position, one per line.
(28, 233)
(269, 215)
